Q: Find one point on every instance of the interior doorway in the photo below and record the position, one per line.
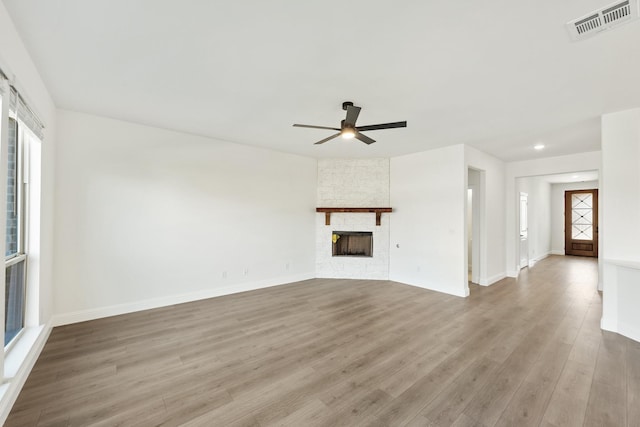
(546, 219)
(524, 230)
(581, 223)
(474, 226)
(470, 234)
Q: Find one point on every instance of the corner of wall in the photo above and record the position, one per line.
(493, 279)
(513, 273)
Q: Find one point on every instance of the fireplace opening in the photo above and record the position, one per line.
(353, 243)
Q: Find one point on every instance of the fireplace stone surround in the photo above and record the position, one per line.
(358, 183)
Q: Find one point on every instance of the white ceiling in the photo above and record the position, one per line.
(499, 75)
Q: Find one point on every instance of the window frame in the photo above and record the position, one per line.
(21, 213)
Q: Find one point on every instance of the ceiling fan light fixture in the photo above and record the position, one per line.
(348, 133)
(348, 128)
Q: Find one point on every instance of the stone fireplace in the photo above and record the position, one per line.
(354, 183)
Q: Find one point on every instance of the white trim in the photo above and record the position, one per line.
(14, 260)
(556, 252)
(629, 331)
(463, 294)
(607, 324)
(115, 310)
(623, 263)
(532, 261)
(493, 279)
(18, 364)
(514, 274)
(543, 256)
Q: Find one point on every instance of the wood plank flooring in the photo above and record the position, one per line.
(348, 352)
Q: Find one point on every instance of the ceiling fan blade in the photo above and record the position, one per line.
(327, 139)
(352, 115)
(364, 138)
(315, 127)
(383, 126)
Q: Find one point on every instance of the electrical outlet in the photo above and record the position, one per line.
(224, 274)
(287, 266)
(246, 271)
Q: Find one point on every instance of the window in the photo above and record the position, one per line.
(582, 216)
(15, 254)
(21, 158)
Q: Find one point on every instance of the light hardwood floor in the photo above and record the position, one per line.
(348, 352)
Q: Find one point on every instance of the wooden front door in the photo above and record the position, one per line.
(581, 223)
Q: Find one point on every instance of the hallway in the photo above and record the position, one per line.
(583, 376)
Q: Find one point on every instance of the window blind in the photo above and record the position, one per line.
(19, 110)
(3, 79)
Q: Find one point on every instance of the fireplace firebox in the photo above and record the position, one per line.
(353, 243)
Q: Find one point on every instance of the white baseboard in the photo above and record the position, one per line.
(18, 364)
(493, 279)
(608, 325)
(115, 310)
(625, 329)
(458, 293)
(513, 273)
(629, 331)
(538, 258)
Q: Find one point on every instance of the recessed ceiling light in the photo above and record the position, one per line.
(575, 176)
(538, 146)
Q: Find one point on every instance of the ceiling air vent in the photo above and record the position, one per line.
(603, 19)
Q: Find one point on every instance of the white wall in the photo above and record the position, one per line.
(492, 214)
(352, 183)
(428, 194)
(148, 217)
(541, 221)
(545, 166)
(557, 211)
(539, 216)
(620, 182)
(619, 213)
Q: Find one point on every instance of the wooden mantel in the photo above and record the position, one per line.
(329, 211)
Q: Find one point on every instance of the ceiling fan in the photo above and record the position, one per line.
(348, 128)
